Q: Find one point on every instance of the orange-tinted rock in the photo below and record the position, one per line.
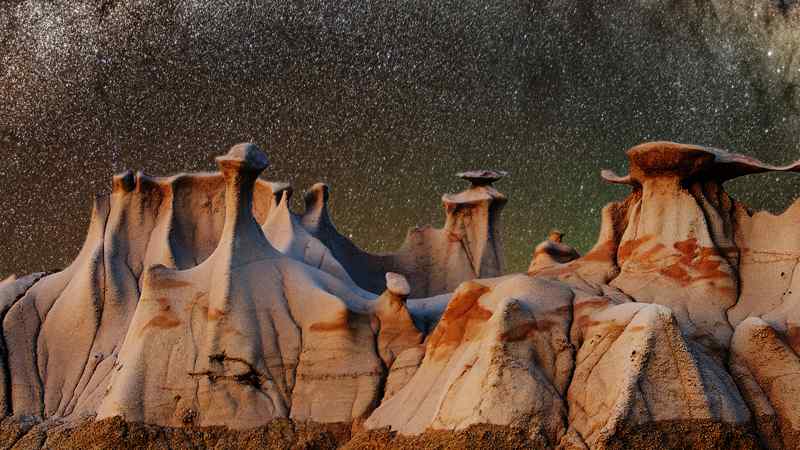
(500, 354)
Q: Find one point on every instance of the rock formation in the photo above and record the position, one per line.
(551, 252)
(203, 301)
(435, 261)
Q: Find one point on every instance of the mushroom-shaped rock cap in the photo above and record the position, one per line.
(247, 156)
(482, 177)
(671, 159)
(317, 192)
(279, 187)
(479, 179)
(397, 284)
(123, 182)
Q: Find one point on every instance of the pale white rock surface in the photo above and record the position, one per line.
(635, 367)
(284, 231)
(500, 354)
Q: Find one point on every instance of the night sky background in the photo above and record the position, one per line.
(384, 101)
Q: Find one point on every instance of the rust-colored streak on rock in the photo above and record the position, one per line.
(584, 322)
(596, 302)
(461, 314)
(602, 253)
(687, 249)
(163, 304)
(162, 321)
(585, 309)
(627, 248)
(650, 255)
(708, 252)
(709, 269)
(677, 273)
(466, 302)
(339, 324)
(169, 283)
(695, 264)
(214, 313)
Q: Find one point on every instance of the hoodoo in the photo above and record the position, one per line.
(435, 261)
(679, 248)
(201, 309)
(552, 252)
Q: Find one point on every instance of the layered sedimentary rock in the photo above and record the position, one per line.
(203, 300)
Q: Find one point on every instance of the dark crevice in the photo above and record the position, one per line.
(251, 377)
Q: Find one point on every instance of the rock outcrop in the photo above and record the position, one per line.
(202, 301)
(678, 242)
(435, 261)
(552, 252)
(500, 354)
(179, 311)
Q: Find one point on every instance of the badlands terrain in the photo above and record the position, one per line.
(203, 312)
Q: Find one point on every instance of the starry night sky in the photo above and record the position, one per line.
(385, 101)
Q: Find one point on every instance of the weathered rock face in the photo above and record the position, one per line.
(76, 319)
(766, 342)
(680, 242)
(203, 300)
(179, 311)
(500, 354)
(551, 252)
(435, 261)
(635, 367)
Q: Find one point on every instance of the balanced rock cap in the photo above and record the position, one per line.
(397, 284)
(279, 187)
(663, 158)
(482, 177)
(319, 191)
(248, 154)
